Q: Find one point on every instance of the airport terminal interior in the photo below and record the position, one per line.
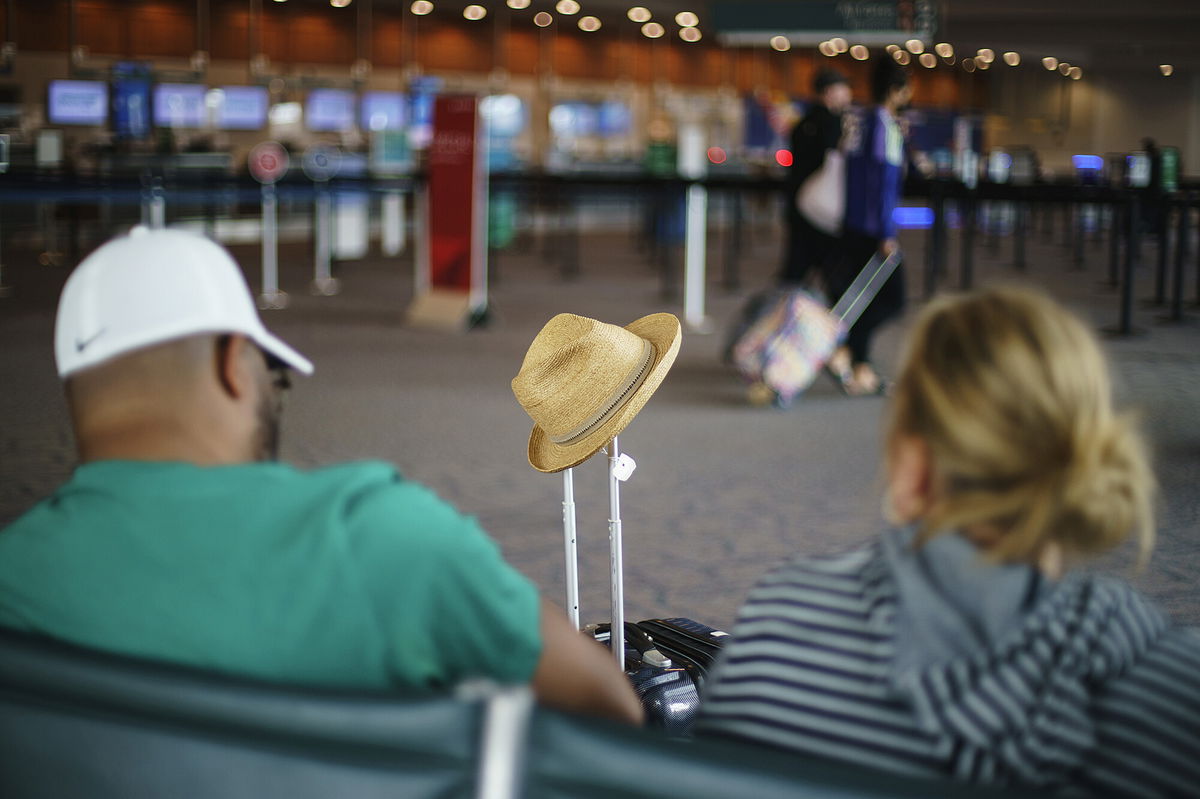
(621, 160)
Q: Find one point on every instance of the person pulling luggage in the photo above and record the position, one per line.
(874, 179)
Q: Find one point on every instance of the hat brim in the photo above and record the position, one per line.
(274, 345)
(662, 330)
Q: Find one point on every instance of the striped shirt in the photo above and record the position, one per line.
(1093, 694)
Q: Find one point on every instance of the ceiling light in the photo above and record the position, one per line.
(474, 12)
(639, 14)
(1166, 69)
(902, 57)
(686, 19)
(826, 49)
(339, 3)
(944, 49)
(987, 54)
(567, 7)
(422, 7)
(839, 44)
(1064, 68)
(518, 4)
(1076, 73)
(589, 24)
(915, 46)
(781, 43)
(689, 34)
(542, 19)
(1012, 59)
(982, 62)
(652, 30)
(859, 52)
(928, 60)
(1050, 63)
(968, 64)
(891, 48)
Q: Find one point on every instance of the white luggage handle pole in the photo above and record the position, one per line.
(617, 637)
(570, 547)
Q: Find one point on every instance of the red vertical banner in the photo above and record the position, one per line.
(457, 202)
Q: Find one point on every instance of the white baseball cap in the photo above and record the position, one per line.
(153, 286)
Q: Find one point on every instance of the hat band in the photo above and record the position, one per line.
(614, 402)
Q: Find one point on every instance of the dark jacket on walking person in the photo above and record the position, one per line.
(818, 132)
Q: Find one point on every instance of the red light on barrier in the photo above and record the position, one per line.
(783, 157)
(716, 155)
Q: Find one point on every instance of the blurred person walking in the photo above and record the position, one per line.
(960, 642)
(814, 191)
(874, 178)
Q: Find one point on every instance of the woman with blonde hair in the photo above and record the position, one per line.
(960, 642)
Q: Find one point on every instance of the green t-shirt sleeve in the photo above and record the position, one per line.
(447, 605)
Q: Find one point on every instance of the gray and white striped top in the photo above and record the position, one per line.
(1091, 693)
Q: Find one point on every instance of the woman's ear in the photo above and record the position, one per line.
(910, 480)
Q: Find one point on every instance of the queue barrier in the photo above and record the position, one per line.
(561, 193)
(75, 722)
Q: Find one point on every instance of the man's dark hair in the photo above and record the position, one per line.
(826, 78)
(886, 76)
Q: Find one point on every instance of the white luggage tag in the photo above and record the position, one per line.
(623, 468)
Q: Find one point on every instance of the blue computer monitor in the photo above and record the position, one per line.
(384, 111)
(329, 110)
(241, 107)
(77, 102)
(180, 105)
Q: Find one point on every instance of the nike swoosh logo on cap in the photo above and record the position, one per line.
(83, 344)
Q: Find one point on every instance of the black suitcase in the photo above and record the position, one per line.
(666, 660)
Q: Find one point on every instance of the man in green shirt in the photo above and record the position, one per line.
(180, 538)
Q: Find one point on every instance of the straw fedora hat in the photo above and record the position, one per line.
(583, 381)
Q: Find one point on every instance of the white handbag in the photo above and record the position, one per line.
(822, 198)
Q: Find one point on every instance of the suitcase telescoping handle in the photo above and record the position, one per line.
(569, 546)
(851, 305)
(615, 561)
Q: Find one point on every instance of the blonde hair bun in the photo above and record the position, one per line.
(1011, 393)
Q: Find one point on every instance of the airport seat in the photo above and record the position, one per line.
(80, 723)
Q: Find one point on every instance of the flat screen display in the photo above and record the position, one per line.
(241, 107)
(384, 111)
(329, 110)
(131, 108)
(77, 102)
(180, 105)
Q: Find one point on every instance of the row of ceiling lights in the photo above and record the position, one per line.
(983, 58)
(686, 20)
(689, 32)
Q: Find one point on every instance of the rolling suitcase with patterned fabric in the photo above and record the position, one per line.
(781, 354)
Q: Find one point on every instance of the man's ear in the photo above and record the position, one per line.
(910, 479)
(233, 365)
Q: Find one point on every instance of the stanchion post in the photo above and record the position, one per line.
(695, 258)
(1114, 243)
(1125, 326)
(158, 204)
(1019, 261)
(268, 162)
(271, 297)
(324, 283)
(1162, 220)
(966, 274)
(1077, 235)
(1181, 245)
(733, 238)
